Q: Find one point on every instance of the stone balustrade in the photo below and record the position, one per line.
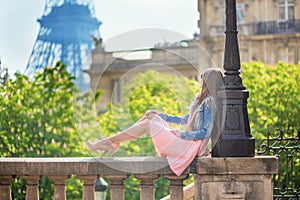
(116, 170)
(215, 178)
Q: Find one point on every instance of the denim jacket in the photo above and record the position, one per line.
(203, 123)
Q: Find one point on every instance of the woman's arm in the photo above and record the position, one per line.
(208, 122)
(174, 119)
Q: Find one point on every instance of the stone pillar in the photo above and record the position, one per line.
(116, 186)
(59, 187)
(202, 23)
(88, 186)
(176, 186)
(32, 187)
(147, 185)
(238, 178)
(5, 187)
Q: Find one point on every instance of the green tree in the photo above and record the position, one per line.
(37, 120)
(36, 116)
(274, 100)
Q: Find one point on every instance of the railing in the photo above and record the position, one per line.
(274, 27)
(284, 144)
(116, 170)
(215, 178)
(259, 28)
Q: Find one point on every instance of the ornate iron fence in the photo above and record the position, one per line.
(285, 144)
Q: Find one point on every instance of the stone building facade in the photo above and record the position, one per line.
(269, 30)
(110, 71)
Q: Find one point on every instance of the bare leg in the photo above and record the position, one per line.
(133, 132)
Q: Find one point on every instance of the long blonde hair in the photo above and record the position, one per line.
(210, 83)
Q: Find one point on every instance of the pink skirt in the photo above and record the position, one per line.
(179, 152)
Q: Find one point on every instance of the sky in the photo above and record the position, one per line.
(19, 27)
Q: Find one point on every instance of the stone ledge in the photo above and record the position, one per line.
(135, 165)
(84, 166)
(237, 165)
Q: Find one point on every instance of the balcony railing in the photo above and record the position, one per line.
(274, 27)
(259, 28)
(116, 170)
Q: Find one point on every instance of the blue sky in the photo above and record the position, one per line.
(19, 28)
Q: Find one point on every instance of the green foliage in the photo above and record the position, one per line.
(18, 188)
(37, 120)
(132, 186)
(36, 116)
(85, 114)
(274, 100)
(74, 188)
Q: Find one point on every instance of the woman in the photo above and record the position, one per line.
(179, 147)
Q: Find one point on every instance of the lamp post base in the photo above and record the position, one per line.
(235, 140)
(234, 148)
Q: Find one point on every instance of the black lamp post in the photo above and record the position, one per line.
(235, 140)
(100, 189)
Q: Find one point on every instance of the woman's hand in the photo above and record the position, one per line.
(177, 133)
(150, 113)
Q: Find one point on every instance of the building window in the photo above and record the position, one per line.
(240, 13)
(286, 10)
(286, 54)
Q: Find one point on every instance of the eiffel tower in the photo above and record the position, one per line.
(67, 32)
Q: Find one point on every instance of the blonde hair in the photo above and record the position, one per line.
(210, 84)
